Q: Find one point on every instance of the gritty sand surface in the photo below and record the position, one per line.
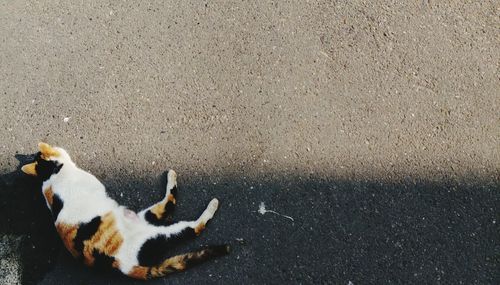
(324, 110)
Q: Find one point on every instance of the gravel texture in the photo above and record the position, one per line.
(373, 124)
(10, 271)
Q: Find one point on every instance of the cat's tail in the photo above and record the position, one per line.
(178, 263)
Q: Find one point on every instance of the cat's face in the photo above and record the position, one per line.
(48, 161)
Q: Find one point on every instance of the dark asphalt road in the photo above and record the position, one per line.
(364, 232)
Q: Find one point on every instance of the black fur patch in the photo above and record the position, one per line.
(169, 209)
(207, 253)
(45, 169)
(85, 232)
(57, 205)
(173, 191)
(104, 262)
(153, 250)
(219, 250)
(152, 219)
(166, 218)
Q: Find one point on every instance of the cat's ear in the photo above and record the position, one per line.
(29, 169)
(46, 150)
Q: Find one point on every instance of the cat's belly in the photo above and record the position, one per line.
(75, 211)
(130, 215)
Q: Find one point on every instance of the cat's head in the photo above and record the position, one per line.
(48, 161)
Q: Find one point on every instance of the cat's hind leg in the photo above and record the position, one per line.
(150, 258)
(192, 228)
(184, 230)
(161, 212)
(207, 215)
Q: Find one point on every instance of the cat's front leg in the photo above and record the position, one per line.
(207, 215)
(161, 212)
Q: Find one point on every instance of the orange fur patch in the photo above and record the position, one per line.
(30, 168)
(199, 228)
(47, 151)
(159, 209)
(68, 234)
(171, 198)
(106, 240)
(49, 195)
(139, 272)
(173, 264)
(176, 262)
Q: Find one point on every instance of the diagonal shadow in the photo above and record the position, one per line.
(24, 213)
(359, 231)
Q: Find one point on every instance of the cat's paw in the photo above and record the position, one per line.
(171, 180)
(213, 205)
(172, 176)
(206, 216)
(210, 210)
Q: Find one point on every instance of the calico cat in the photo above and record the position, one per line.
(95, 229)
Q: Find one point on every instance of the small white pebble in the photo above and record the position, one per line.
(66, 119)
(262, 208)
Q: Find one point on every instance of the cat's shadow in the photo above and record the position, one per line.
(25, 214)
